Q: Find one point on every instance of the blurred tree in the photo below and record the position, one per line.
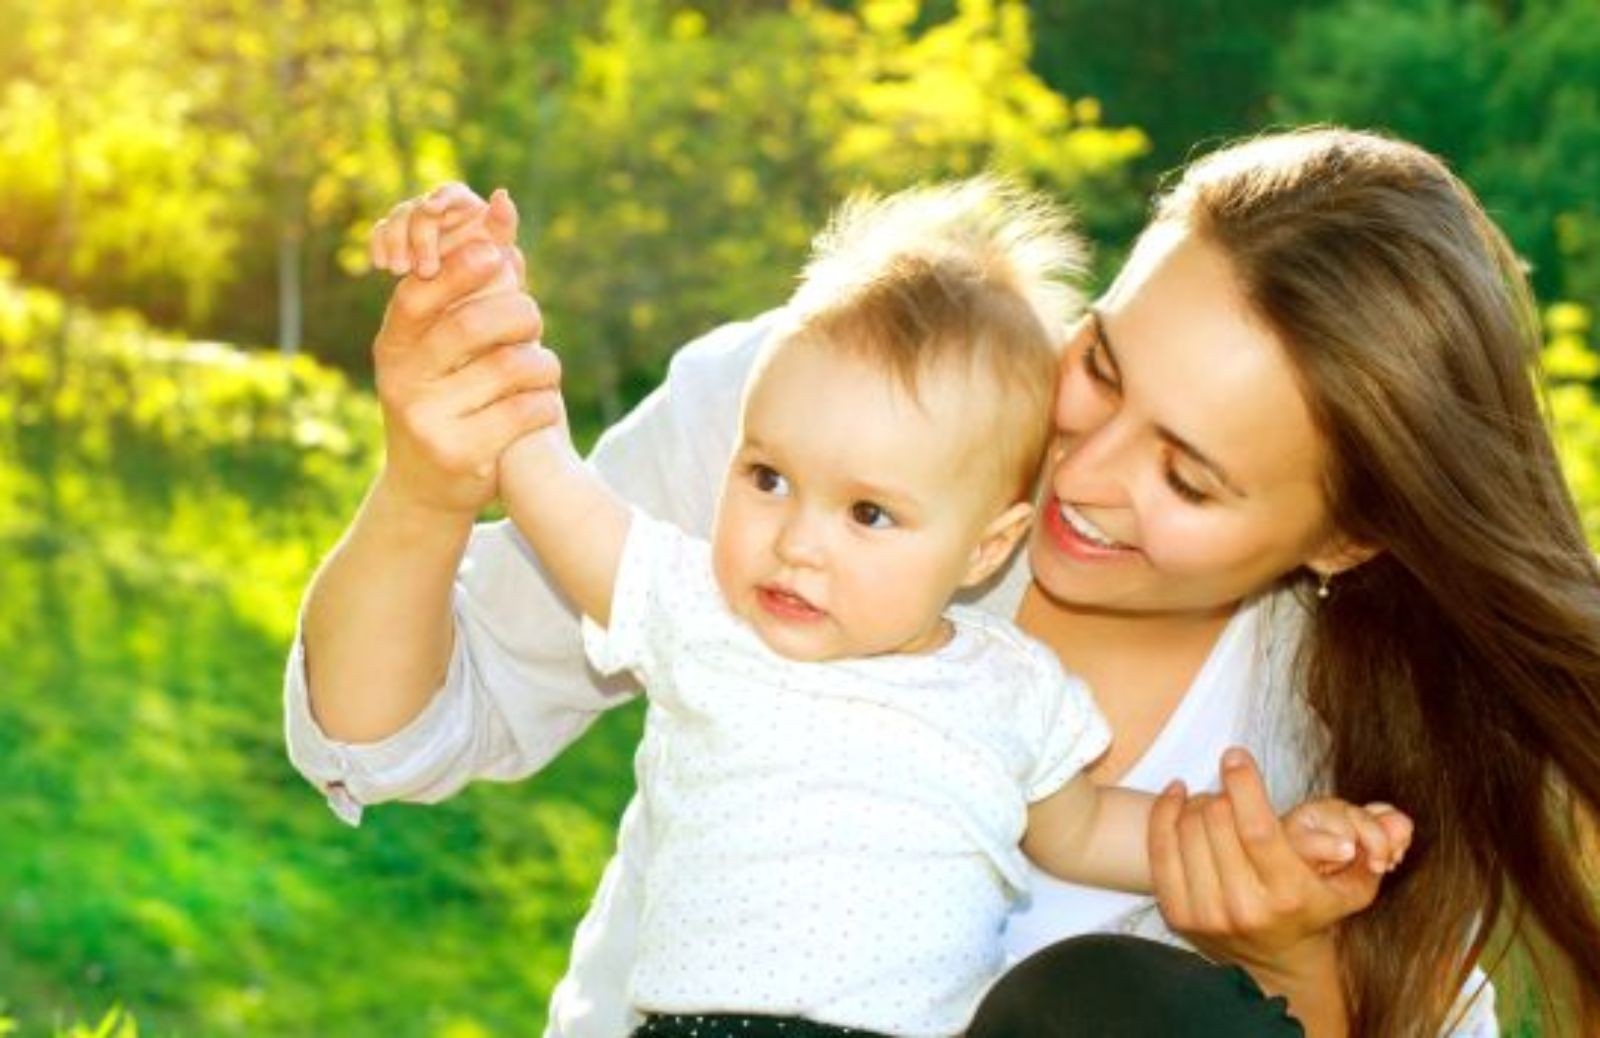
(1186, 71)
(218, 169)
(668, 180)
(1509, 93)
(350, 107)
(205, 163)
(104, 189)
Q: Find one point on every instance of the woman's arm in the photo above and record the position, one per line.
(457, 383)
(516, 689)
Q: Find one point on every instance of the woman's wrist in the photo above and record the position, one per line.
(415, 518)
(1308, 976)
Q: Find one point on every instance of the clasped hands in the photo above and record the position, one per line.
(461, 373)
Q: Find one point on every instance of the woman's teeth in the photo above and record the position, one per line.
(1085, 529)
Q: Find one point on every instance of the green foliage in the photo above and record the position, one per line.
(219, 170)
(115, 1024)
(1572, 369)
(185, 159)
(162, 503)
(660, 159)
(1184, 72)
(1510, 93)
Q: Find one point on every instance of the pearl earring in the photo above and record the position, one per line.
(1324, 581)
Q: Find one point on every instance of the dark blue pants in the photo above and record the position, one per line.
(1102, 986)
(1098, 986)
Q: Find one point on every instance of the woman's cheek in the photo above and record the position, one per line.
(1189, 541)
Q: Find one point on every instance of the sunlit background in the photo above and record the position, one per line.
(186, 417)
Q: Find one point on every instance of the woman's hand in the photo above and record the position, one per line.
(461, 376)
(1228, 878)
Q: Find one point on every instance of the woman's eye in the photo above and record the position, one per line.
(1092, 362)
(768, 480)
(868, 514)
(1186, 490)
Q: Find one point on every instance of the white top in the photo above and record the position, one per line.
(518, 692)
(834, 840)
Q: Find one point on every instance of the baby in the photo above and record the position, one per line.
(843, 769)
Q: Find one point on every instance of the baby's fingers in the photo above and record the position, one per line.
(451, 195)
(1322, 837)
(431, 235)
(1385, 835)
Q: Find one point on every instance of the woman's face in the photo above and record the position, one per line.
(1186, 473)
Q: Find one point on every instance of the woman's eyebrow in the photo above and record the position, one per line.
(1177, 442)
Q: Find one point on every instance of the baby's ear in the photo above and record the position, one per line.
(999, 539)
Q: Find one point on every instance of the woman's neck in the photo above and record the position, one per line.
(1139, 666)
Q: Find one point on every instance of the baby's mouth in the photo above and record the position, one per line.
(786, 604)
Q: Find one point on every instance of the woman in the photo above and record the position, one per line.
(1302, 501)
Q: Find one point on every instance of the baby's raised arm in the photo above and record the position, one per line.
(570, 518)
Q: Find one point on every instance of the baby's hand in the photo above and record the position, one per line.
(418, 232)
(1331, 835)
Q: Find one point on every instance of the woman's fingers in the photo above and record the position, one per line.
(498, 373)
(434, 326)
(1278, 867)
(1166, 858)
(510, 418)
(1207, 903)
(1242, 894)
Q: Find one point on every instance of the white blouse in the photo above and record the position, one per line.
(518, 692)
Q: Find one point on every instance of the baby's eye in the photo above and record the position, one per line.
(769, 480)
(868, 514)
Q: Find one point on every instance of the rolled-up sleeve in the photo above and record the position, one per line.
(518, 689)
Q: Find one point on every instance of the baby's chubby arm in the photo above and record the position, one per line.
(1098, 835)
(570, 518)
(1091, 834)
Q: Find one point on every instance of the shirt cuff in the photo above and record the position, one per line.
(352, 774)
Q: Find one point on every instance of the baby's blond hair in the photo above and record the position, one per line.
(975, 277)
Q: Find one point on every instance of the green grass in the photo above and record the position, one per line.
(163, 855)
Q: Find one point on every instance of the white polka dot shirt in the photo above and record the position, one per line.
(832, 840)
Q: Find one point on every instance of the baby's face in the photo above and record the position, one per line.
(850, 513)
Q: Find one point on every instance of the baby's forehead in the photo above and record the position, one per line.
(934, 434)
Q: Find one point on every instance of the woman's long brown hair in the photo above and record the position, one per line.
(1458, 671)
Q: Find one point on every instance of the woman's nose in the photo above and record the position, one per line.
(1092, 466)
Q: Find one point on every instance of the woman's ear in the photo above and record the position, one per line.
(998, 541)
(1340, 553)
